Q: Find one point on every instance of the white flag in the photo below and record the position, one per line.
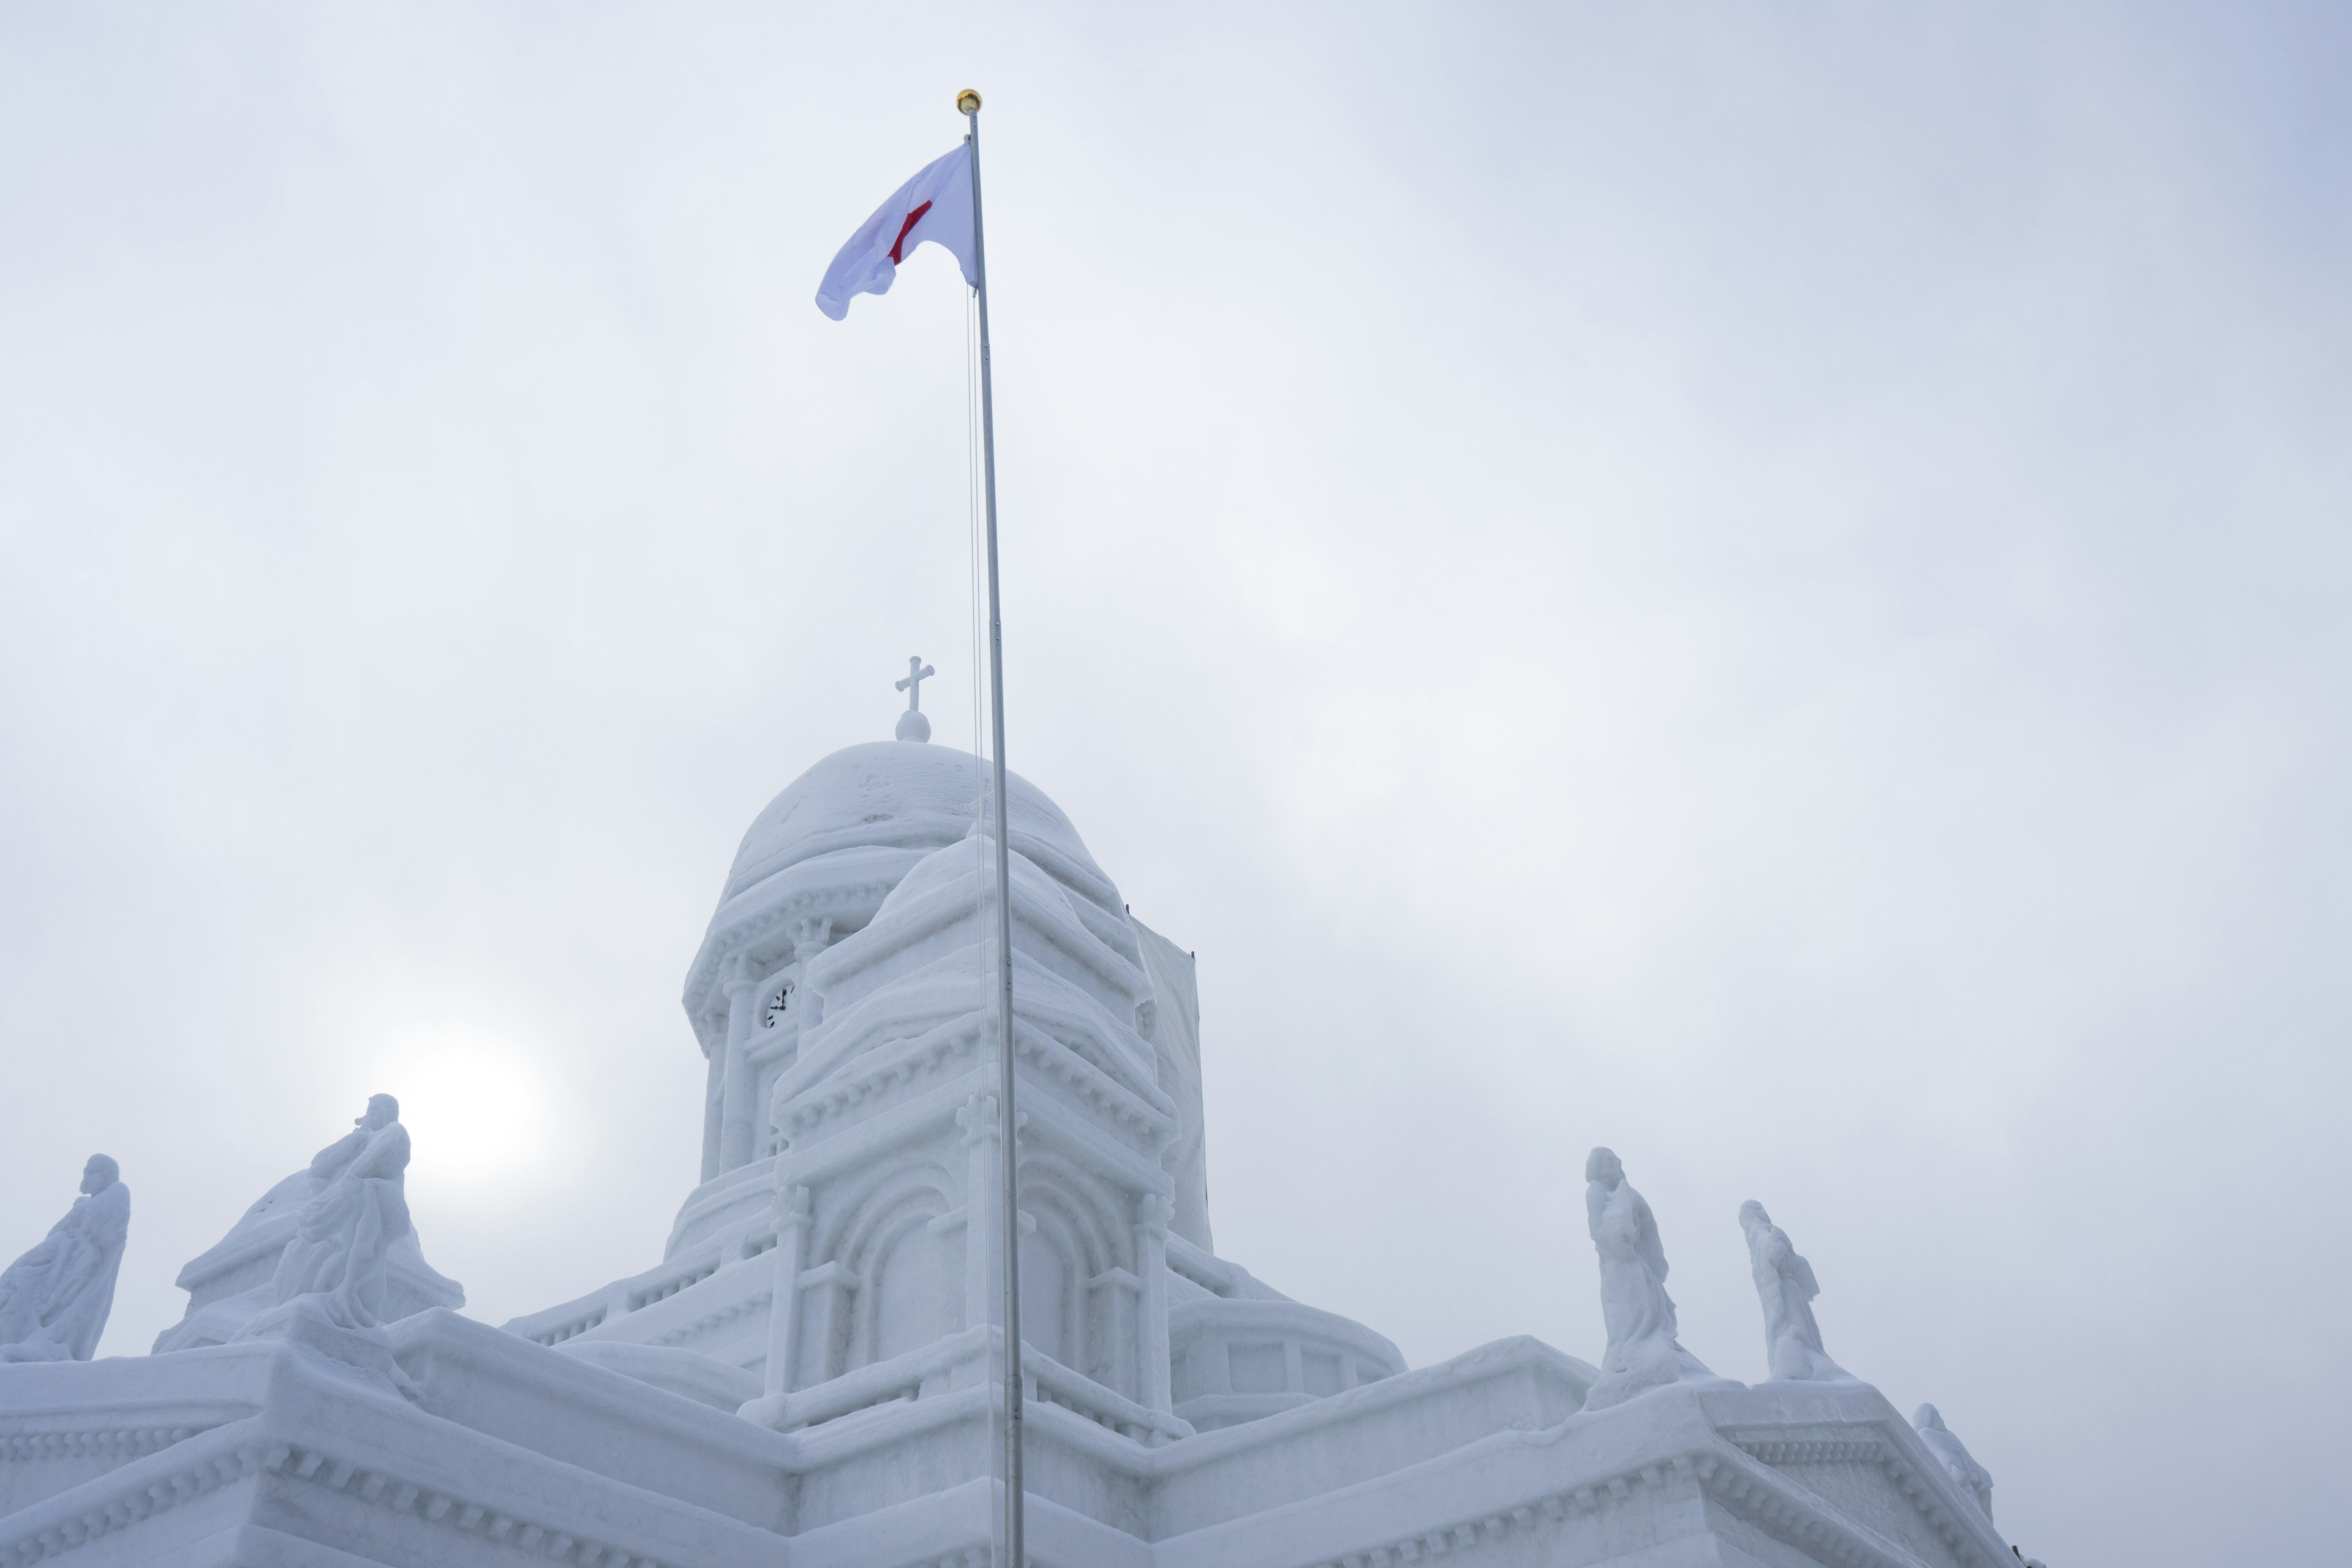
(934, 207)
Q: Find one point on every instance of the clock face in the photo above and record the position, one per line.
(779, 1002)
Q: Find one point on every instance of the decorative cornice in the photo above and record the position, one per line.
(1501, 1524)
(1143, 1126)
(873, 1073)
(1778, 1451)
(749, 931)
(1143, 1123)
(1781, 1511)
(124, 1442)
(1876, 1449)
(876, 1071)
(316, 1467)
(130, 1504)
(448, 1509)
(1774, 1504)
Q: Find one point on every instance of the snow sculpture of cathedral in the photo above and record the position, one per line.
(802, 1378)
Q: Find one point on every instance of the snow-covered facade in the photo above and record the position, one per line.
(803, 1379)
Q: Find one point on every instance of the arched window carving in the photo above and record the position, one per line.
(909, 1275)
(1046, 1306)
(1079, 1235)
(913, 1296)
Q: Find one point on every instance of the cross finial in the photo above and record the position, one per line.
(912, 725)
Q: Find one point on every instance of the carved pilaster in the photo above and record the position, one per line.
(784, 1309)
(981, 1207)
(1117, 1362)
(737, 1126)
(714, 1109)
(826, 1294)
(1151, 1217)
(811, 934)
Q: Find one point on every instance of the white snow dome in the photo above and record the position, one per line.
(840, 837)
(906, 794)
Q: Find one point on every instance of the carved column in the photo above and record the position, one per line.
(1117, 1360)
(739, 1124)
(714, 1109)
(784, 1310)
(827, 1293)
(1151, 1217)
(978, 1120)
(812, 934)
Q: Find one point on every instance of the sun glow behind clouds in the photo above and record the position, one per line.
(479, 1109)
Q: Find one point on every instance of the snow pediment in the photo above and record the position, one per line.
(1049, 1005)
(1872, 1470)
(943, 991)
(903, 1041)
(939, 910)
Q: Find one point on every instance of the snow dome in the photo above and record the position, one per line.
(841, 835)
(816, 867)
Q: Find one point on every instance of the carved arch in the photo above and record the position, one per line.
(908, 1286)
(878, 1232)
(856, 1206)
(1080, 1227)
(1094, 1209)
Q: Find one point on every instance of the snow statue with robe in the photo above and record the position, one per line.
(1973, 1478)
(345, 1235)
(1785, 1284)
(1643, 1351)
(327, 1293)
(235, 1280)
(54, 1300)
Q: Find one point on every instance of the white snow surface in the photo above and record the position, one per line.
(802, 1377)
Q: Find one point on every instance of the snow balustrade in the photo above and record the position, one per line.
(640, 1292)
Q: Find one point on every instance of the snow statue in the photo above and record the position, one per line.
(1642, 1353)
(233, 1281)
(54, 1300)
(343, 1236)
(327, 1293)
(1973, 1478)
(1792, 1340)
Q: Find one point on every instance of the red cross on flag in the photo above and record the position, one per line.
(934, 207)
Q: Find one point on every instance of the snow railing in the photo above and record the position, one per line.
(959, 1362)
(662, 1290)
(555, 1334)
(1045, 1380)
(901, 1378)
(624, 1297)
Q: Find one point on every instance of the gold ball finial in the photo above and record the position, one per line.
(967, 102)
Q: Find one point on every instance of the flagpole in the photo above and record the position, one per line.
(1015, 1553)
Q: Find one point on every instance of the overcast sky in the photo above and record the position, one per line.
(1761, 584)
